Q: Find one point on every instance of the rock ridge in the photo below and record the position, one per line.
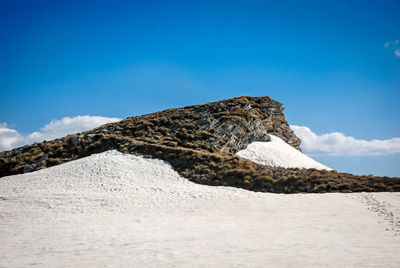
(200, 142)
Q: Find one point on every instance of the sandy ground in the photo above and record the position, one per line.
(278, 153)
(115, 210)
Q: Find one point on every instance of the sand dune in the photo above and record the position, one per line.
(116, 210)
(278, 153)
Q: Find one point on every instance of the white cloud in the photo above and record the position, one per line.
(391, 43)
(338, 144)
(394, 45)
(10, 138)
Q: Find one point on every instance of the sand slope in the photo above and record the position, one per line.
(278, 153)
(116, 210)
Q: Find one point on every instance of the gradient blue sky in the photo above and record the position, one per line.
(326, 61)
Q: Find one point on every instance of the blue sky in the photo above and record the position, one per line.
(332, 64)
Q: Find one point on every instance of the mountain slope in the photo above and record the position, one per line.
(200, 142)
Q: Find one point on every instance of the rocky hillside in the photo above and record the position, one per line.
(200, 142)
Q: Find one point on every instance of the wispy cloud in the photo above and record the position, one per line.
(391, 43)
(394, 45)
(11, 138)
(338, 144)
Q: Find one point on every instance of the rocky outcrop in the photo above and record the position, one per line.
(200, 142)
(241, 121)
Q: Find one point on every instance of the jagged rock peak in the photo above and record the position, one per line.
(245, 119)
(231, 124)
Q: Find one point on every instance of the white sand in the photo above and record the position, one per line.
(116, 210)
(278, 153)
